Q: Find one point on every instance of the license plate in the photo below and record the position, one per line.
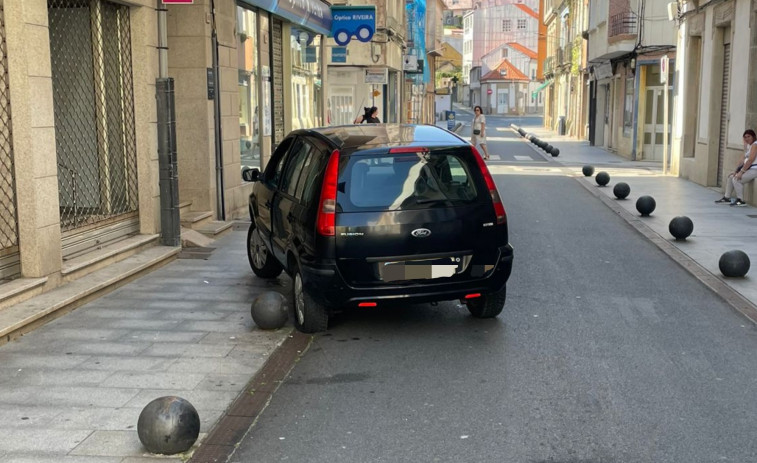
(420, 270)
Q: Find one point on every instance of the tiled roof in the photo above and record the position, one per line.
(526, 51)
(527, 10)
(513, 73)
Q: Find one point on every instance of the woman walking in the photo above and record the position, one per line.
(479, 130)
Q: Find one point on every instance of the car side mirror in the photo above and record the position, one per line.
(250, 174)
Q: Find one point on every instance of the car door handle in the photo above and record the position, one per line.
(267, 204)
(290, 218)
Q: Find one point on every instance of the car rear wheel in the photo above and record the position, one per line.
(261, 261)
(488, 305)
(309, 316)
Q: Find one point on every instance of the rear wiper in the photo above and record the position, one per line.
(429, 200)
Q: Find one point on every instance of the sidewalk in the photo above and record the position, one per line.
(73, 389)
(717, 228)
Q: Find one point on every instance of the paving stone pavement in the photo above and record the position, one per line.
(72, 390)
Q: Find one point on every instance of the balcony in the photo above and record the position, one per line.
(622, 24)
(549, 65)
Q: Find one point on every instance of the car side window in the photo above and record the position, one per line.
(310, 174)
(276, 165)
(297, 157)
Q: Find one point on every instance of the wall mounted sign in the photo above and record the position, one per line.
(376, 76)
(339, 55)
(314, 15)
(349, 21)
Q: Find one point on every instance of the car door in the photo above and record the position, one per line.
(265, 190)
(287, 227)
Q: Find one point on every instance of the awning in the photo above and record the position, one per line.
(540, 88)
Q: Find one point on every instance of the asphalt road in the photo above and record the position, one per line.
(607, 351)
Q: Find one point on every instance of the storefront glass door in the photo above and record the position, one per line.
(249, 80)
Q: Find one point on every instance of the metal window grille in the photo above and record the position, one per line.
(90, 47)
(8, 218)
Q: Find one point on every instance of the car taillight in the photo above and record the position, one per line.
(409, 149)
(499, 208)
(326, 221)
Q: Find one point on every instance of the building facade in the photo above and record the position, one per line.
(627, 42)
(716, 97)
(502, 30)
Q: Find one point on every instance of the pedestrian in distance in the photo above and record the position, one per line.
(370, 116)
(478, 136)
(745, 172)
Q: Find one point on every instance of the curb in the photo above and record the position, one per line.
(222, 440)
(709, 279)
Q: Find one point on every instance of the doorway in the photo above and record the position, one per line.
(503, 101)
(654, 117)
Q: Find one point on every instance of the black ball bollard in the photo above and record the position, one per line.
(645, 205)
(555, 152)
(602, 178)
(588, 171)
(547, 147)
(681, 227)
(734, 263)
(168, 425)
(621, 190)
(269, 311)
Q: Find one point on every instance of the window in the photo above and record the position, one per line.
(297, 157)
(273, 171)
(506, 25)
(306, 88)
(503, 53)
(248, 79)
(521, 24)
(400, 182)
(311, 172)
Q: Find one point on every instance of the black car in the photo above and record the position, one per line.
(368, 215)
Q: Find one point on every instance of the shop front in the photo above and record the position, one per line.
(280, 75)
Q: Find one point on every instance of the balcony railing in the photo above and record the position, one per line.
(549, 65)
(622, 24)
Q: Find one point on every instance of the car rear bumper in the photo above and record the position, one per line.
(327, 286)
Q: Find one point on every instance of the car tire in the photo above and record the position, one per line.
(309, 315)
(488, 305)
(263, 264)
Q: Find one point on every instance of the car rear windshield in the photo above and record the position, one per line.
(406, 181)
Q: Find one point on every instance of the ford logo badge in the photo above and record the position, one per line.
(421, 232)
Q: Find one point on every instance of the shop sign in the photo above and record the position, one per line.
(339, 55)
(376, 76)
(312, 14)
(349, 21)
(310, 55)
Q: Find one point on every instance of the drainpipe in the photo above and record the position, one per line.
(221, 213)
(170, 224)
